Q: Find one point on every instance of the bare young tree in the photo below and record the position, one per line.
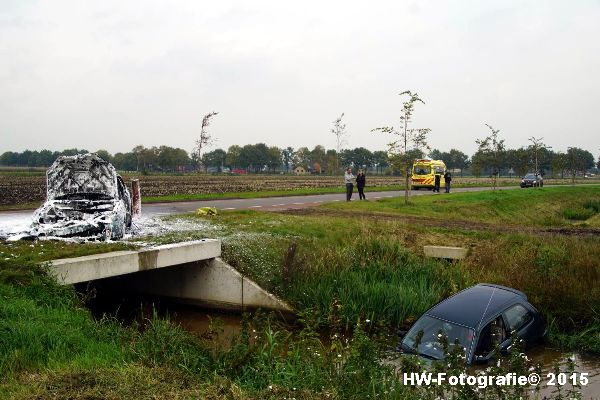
(492, 150)
(339, 130)
(536, 145)
(409, 139)
(205, 138)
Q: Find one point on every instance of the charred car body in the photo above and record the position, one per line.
(85, 198)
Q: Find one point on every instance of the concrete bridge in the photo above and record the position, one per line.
(189, 272)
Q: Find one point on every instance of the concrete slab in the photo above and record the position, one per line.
(450, 253)
(212, 283)
(99, 266)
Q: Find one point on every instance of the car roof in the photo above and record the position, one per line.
(474, 305)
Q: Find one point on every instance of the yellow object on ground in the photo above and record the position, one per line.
(206, 211)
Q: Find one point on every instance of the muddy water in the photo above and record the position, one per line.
(200, 321)
(589, 364)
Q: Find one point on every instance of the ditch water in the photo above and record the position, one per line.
(198, 321)
(129, 307)
(585, 363)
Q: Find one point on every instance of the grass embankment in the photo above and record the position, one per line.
(548, 206)
(336, 266)
(51, 347)
(366, 257)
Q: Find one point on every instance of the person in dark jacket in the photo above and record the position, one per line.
(436, 187)
(447, 180)
(361, 181)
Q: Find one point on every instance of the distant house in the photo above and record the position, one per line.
(299, 170)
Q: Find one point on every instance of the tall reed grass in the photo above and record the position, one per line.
(376, 279)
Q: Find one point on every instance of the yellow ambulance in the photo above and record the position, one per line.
(424, 171)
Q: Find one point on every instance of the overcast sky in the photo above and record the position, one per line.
(115, 74)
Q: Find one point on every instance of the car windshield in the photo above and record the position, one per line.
(422, 169)
(530, 176)
(425, 335)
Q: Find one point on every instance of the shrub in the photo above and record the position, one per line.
(592, 205)
(578, 214)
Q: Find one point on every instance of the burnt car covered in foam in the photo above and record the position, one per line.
(85, 198)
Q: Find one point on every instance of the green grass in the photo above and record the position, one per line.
(583, 212)
(377, 279)
(578, 214)
(51, 347)
(593, 205)
(365, 263)
(538, 207)
(337, 266)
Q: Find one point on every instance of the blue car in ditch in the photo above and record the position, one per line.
(480, 319)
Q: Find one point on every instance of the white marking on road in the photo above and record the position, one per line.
(378, 197)
(255, 206)
(278, 205)
(229, 208)
(297, 203)
(336, 200)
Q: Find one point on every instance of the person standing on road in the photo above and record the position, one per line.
(436, 187)
(349, 179)
(361, 181)
(447, 180)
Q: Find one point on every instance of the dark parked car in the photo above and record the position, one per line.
(532, 180)
(480, 318)
(85, 198)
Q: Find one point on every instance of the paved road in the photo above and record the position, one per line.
(279, 203)
(13, 220)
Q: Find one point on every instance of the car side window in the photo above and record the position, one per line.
(517, 317)
(492, 335)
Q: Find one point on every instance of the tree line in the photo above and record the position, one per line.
(260, 158)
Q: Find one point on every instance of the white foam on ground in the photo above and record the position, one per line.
(15, 225)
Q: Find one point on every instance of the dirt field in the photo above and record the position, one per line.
(23, 189)
(28, 189)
